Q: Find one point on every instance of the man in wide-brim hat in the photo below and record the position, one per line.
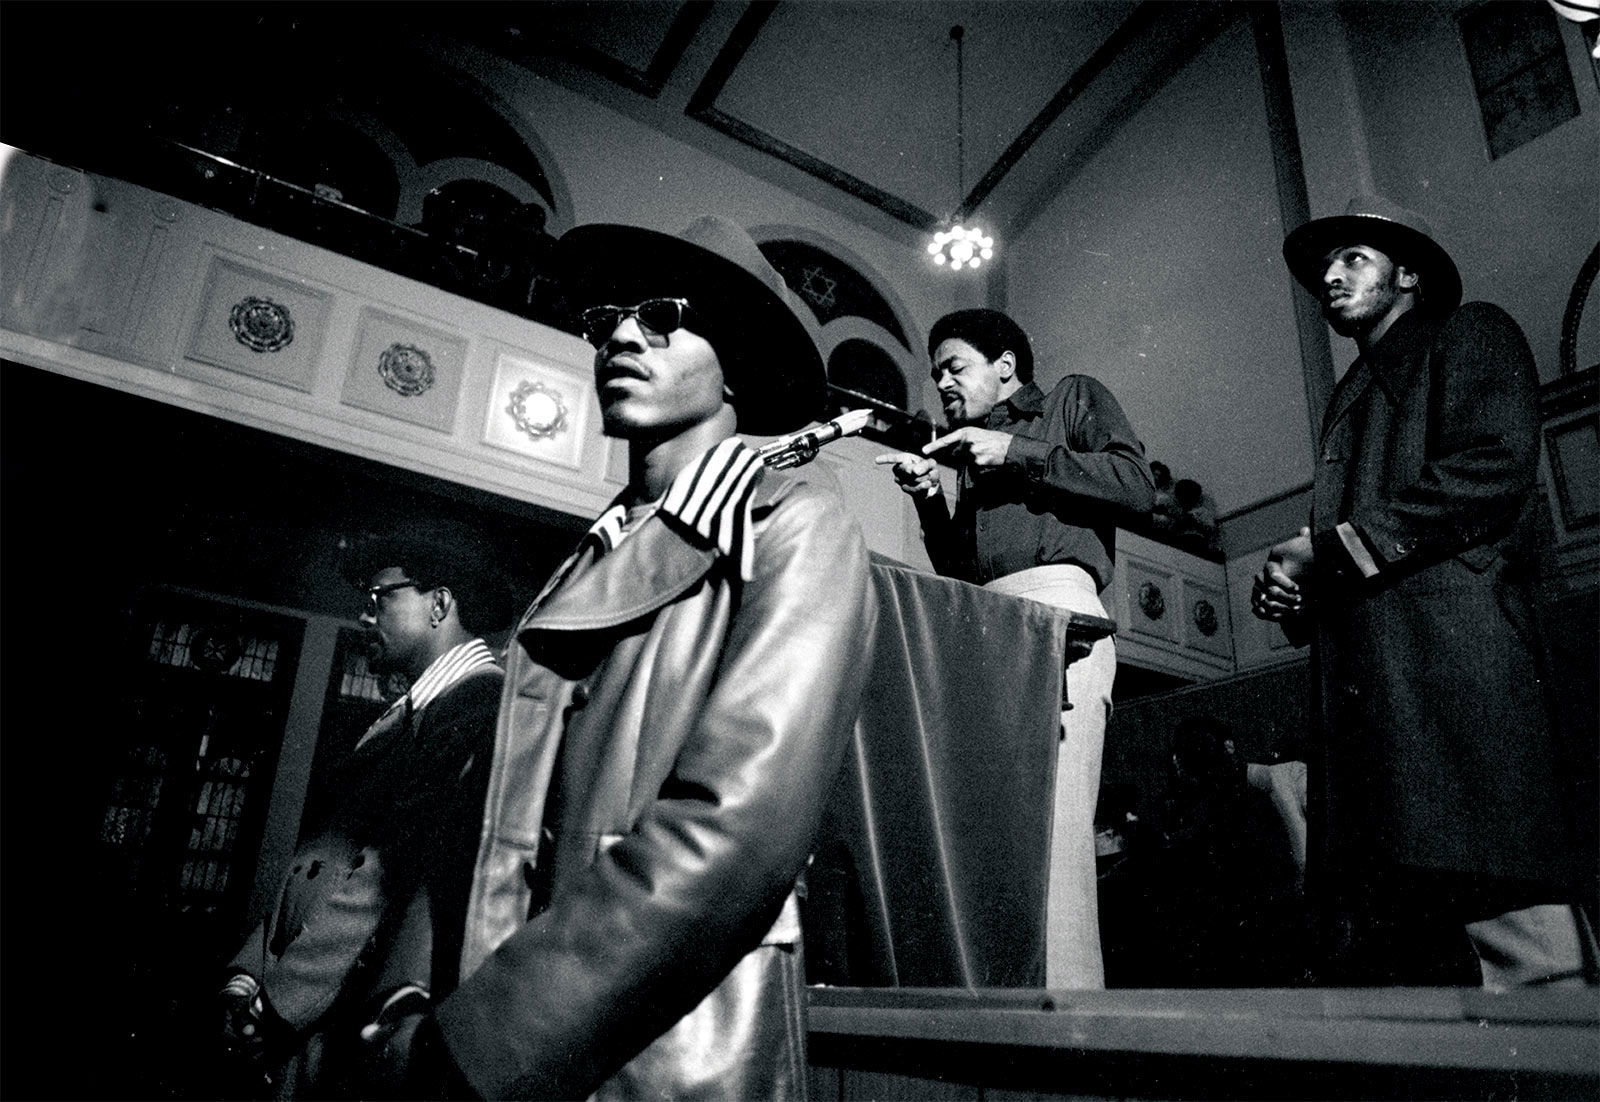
(1440, 843)
(678, 700)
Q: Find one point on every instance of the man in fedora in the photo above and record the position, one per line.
(1437, 825)
(371, 908)
(678, 700)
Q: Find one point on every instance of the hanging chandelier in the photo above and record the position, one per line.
(960, 246)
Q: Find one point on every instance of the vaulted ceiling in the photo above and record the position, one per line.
(862, 94)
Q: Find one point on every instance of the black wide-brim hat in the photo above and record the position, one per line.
(1402, 235)
(739, 302)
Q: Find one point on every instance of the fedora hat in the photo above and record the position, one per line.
(1400, 234)
(741, 305)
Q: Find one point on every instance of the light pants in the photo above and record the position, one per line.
(1072, 912)
(1535, 946)
(1548, 945)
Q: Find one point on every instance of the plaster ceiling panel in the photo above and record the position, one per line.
(628, 32)
(870, 87)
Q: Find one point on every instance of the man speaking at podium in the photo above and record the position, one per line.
(1044, 481)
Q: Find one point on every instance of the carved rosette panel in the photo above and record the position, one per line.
(1152, 602)
(1205, 619)
(261, 325)
(537, 411)
(406, 369)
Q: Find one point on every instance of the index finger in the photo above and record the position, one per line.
(894, 457)
(949, 439)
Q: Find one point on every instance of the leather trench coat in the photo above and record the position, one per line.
(1435, 751)
(667, 739)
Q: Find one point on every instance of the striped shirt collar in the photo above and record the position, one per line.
(711, 497)
(446, 670)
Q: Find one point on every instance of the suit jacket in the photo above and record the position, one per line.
(667, 740)
(1435, 751)
(405, 825)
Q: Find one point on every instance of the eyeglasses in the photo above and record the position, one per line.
(376, 593)
(657, 317)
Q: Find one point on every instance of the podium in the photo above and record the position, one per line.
(932, 863)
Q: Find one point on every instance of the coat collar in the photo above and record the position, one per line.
(651, 568)
(1390, 363)
(1397, 355)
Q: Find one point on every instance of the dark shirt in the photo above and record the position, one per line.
(1073, 473)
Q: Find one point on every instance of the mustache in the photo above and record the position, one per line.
(620, 367)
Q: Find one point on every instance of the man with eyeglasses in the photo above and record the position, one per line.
(678, 700)
(372, 908)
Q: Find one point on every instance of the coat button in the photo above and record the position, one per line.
(580, 695)
(1403, 548)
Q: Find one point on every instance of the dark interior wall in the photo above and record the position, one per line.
(103, 497)
(1266, 711)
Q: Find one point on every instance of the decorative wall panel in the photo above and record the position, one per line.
(405, 369)
(1205, 621)
(1153, 601)
(259, 324)
(540, 410)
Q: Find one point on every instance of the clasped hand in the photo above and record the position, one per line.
(1277, 593)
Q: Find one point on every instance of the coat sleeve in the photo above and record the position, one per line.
(659, 920)
(1099, 461)
(1481, 461)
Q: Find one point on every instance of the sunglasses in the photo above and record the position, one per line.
(657, 317)
(376, 593)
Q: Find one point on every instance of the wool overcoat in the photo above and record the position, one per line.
(1435, 752)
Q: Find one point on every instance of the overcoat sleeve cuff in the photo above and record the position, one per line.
(1332, 552)
(1356, 547)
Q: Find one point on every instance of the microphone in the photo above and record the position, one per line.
(800, 448)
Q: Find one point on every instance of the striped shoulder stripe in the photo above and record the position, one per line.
(608, 528)
(713, 497)
(447, 669)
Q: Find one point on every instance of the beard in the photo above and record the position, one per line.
(963, 412)
(1357, 314)
(1364, 305)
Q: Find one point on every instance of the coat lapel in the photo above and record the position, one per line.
(649, 569)
(1390, 364)
(1351, 387)
(1401, 352)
